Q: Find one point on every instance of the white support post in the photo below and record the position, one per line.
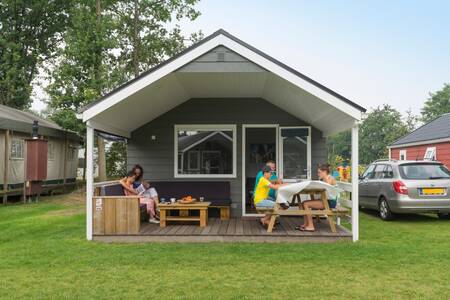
(355, 180)
(89, 178)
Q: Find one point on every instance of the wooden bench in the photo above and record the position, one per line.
(215, 192)
(326, 212)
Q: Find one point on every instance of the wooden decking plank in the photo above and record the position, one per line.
(239, 227)
(208, 227)
(190, 229)
(215, 227)
(247, 230)
(223, 227)
(254, 226)
(231, 230)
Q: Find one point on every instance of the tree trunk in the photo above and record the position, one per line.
(101, 159)
(136, 39)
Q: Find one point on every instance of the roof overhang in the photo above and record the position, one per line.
(165, 87)
(419, 143)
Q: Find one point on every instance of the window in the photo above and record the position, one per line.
(388, 172)
(368, 172)
(430, 154)
(205, 151)
(402, 155)
(424, 171)
(17, 146)
(378, 172)
(51, 150)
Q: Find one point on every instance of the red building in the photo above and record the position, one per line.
(430, 141)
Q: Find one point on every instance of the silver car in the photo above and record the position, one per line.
(393, 187)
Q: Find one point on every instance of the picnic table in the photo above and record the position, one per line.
(315, 191)
(166, 208)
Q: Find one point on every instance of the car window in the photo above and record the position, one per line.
(388, 172)
(377, 172)
(424, 171)
(368, 171)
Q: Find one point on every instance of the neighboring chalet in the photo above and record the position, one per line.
(62, 152)
(430, 141)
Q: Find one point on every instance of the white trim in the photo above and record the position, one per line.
(243, 154)
(432, 151)
(211, 127)
(197, 153)
(110, 129)
(189, 56)
(308, 152)
(355, 183)
(436, 141)
(400, 153)
(89, 178)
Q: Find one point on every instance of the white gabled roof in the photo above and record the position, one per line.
(163, 88)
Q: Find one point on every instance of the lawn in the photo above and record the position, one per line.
(44, 254)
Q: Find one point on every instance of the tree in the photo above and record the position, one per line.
(30, 32)
(437, 104)
(380, 127)
(116, 158)
(143, 34)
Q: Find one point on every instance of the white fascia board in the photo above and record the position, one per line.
(204, 48)
(149, 79)
(436, 141)
(292, 78)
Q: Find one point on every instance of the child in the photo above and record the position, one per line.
(146, 199)
(262, 190)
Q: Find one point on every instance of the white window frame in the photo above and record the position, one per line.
(401, 153)
(51, 145)
(22, 143)
(432, 151)
(204, 127)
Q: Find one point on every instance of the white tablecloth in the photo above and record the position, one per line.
(285, 193)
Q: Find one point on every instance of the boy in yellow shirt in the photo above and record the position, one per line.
(261, 196)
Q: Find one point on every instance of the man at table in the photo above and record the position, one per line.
(262, 197)
(273, 178)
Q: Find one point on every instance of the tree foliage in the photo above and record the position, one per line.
(30, 32)
(437, 104)
(116, 160)
(381, 126)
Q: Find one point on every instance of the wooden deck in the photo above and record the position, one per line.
(233, 230)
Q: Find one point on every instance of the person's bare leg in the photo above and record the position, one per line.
(313, 204)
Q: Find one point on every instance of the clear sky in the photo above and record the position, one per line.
(373, 52)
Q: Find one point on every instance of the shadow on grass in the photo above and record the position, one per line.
(411, 218)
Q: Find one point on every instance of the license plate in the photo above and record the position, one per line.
(433, 191)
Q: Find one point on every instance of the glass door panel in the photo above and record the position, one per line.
(295, 145)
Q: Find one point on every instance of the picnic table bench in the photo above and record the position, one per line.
(312, 193)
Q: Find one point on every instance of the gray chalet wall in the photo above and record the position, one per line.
(157, 156)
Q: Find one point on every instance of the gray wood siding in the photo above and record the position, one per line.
(157, 156)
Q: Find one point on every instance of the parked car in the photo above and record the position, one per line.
(393, 187)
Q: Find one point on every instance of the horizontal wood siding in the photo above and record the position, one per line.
(418, 152)
(156, 156)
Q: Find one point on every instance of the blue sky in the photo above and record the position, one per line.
(373, 52)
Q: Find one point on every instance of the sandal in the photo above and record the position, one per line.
(299, 227)
(307, 230)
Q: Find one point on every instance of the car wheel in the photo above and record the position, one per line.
(443, 216)
(384, 211)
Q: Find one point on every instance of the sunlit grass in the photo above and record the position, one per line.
(44, 254)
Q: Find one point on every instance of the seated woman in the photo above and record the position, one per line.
(261, 197)
(149, 197)
(323, 173)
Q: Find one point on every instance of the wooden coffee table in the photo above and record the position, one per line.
(164, 212)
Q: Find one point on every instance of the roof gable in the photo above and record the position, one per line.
(439, 128)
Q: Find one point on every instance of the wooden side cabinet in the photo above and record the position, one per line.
(116, 215)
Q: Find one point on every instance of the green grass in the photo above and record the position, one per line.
(44, 254)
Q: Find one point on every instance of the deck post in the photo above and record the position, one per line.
(355, 180)
(89, 178)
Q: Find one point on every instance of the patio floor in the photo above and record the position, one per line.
(233, 230)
